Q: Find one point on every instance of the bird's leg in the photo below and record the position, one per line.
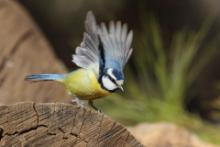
(77, 101)
(90, 102)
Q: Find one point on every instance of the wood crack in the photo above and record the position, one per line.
(16, 133)
(51, 130)
(36, 113)
(78, 137)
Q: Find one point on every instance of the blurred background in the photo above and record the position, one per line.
(174, 72)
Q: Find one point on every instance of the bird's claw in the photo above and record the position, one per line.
(94, 107)
(78, 102)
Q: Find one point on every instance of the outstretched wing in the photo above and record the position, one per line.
(87, 54)
(116, 43)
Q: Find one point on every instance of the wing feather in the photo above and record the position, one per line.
(116, 42)
(87, 55)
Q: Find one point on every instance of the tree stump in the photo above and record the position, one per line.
(57, 125)
(24, 50)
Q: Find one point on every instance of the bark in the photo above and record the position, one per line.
(24, 50)
(56, 124)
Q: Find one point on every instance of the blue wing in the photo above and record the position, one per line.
(116, 44)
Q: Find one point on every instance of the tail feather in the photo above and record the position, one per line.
(45, 77)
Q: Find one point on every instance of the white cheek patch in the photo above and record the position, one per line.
(108, 84)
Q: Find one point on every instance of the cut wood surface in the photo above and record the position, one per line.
(56, 125)
(24, 50)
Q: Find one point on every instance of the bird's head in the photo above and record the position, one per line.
(112, 79)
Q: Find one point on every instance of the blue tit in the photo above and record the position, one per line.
(101, 56)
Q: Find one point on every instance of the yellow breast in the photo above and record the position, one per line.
(83, 84)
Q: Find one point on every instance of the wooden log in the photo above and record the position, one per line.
(24, 50)
(57, 124)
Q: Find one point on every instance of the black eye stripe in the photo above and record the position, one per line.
(113, 80)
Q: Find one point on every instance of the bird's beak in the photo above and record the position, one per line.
(121, 88)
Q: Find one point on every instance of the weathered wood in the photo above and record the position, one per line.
(24, 50)
(56, 125)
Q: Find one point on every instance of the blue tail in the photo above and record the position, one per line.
(45, 77)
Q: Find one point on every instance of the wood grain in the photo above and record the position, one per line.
(24, 50)
(60, 125)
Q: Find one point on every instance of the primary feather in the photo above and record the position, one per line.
(102, 48)
(116, 43)
(87, 54)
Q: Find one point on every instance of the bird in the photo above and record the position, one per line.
(101, 58)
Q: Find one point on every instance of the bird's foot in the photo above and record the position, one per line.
(90, 102)
(78, 102)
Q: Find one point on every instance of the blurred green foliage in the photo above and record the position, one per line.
(158, 78)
